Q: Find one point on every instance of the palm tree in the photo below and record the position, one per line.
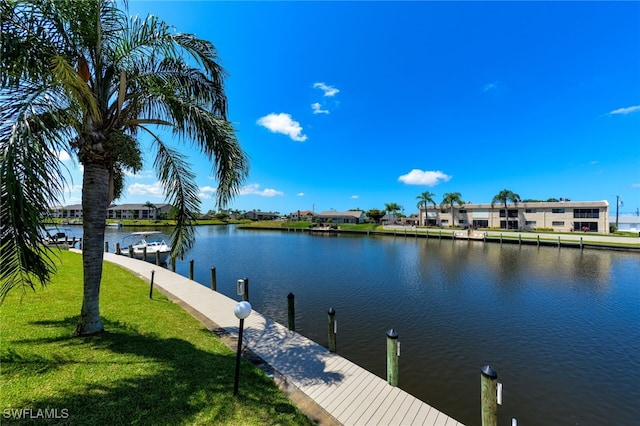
(502, 197)
(149, 205)
(424, 198)
(449, 199)
(392, 208)
(84, 78)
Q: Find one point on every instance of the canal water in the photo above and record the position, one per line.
(561, 326)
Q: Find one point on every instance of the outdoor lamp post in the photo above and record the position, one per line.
(242, 310)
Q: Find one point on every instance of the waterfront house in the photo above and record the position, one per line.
(627, 222)
(306, 215)
(351, 216)
(563, 216)
(258, 215)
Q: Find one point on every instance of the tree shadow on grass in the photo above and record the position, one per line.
(174, 383)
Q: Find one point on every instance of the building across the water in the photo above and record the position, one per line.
(564, 216)
(122, 211)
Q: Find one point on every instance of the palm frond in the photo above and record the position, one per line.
(32, 133)
(181, 191)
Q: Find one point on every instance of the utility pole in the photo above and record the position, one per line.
(618, 203)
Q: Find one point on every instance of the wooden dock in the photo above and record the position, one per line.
(345, 391)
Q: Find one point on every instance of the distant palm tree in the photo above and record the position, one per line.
(393, 208)
(424, 198)
(149, 205)
(85, 79)
(502, 197)
(449, 199)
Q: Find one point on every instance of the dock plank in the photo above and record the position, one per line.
(367, 399)
(347, 391)
(342, 389)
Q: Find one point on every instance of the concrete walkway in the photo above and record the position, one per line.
(347, 393)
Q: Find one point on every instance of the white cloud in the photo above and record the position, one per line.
(64, 156)
(317, 109)
(206, 192)
(428, 178)
(283, 123)
(154, 190)
(328, 90)
(300, 194)
(490, 86)
(625, 111)
(254, 189)
(635, 185)
(143, 174)
(354, 197)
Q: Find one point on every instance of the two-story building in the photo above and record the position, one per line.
(138, 211)
(120, 211)
(72, 211)
(305, 215)
(351, 216)
(565, 216)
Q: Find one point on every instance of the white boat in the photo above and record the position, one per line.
(57, 237)
(149, 241)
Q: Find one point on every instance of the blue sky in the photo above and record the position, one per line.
(346, 105)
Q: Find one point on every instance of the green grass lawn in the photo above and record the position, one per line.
(155, 365)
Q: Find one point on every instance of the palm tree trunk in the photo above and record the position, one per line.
(95, 192)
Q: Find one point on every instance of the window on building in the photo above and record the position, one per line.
(557, 223)
(480, 223)
(586, 213)
(530, 210)
(557, 210)
(511, 224)
(530, 223)
(585, 226)
(510, 212)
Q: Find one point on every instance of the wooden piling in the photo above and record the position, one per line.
(392, 357)
(191, 269)
(489, 396)
(158, 258)
(245, 294)
(144, 253)
(106, 246)
(214, 281)
(331, 325)
(118, 251)
(173, 264)
(291, 310)
(130, 251)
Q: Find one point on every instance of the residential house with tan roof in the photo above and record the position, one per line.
(351, 216)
